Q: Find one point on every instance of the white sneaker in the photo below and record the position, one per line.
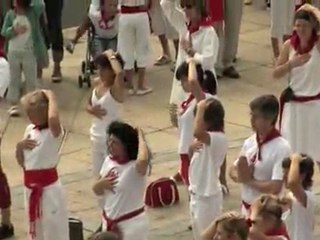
(70, 47)
(144, 91)
(14, 111)
(131, 92)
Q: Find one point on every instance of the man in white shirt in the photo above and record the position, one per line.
(259, 166)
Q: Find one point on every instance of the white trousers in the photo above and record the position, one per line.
(136, 228)
(133, 39)
(53, 223)
(282, 15)
(99, 153)
(203, 211)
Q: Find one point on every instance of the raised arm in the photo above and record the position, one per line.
(200, 131)
(175, 16)
(194, 83)
(142, 163)
(283, 65)
(53, 114)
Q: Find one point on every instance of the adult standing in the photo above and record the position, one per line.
(300, 59)
(232, 19)
(54, 17)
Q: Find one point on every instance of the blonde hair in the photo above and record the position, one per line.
(234, 223)
(35, 101)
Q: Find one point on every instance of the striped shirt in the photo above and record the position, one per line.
(132, 3)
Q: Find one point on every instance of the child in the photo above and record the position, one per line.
(298, 171)
(37, 154)
(199, 84)
(230, 226)
(105, 21)
(105, 104)
(6, 227)
(209, 151)
(282, 14)
(24, 45)
(266, 219)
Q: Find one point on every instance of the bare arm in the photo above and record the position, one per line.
(209, 233)
(294, 182)
(233, 174)
(19, 155)
(270, 187)
(194, 82)
(200, 132)
(142, 163)
(99, 187)
(283, 64)
(53, 114)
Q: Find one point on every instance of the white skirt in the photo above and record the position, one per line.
(300, 126)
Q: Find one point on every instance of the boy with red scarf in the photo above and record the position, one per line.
(259, 166)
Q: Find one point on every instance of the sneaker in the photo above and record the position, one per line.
(173, 67)
(231, 72)
(163, 60)
(131, 92)
(6, 231)
(56, 75)
(70, 47)
(144, 91)
(14, 111)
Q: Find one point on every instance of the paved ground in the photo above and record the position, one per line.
(151, 113)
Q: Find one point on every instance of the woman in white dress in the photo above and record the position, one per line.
(300, 103)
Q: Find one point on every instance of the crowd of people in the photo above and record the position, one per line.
(205, 35)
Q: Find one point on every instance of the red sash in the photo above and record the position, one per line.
(36, 181)
(295, 42)
(280, 231)
(185, 104)
(111, 223)
(205, 22)
(294, 98)
(274, 133)
(131, 10)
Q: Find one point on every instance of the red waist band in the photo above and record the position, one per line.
(113, 222)
(36, 180)
(131, 10)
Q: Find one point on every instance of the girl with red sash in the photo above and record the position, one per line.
(300, 102)
(38, 155)
(199, 84)
(266, 219)
(122, 182)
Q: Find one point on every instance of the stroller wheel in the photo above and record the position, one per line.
(92, 67)
(135, 66)
(89, 82)
(83, 67)
(80, 81)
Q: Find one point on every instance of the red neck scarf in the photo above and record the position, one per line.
(274, 133)
(280, 231)
(295, 42)
(185, 104)
(120, 161)
(41, 127)
(194, 27)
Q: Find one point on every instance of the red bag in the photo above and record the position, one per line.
(162, 193)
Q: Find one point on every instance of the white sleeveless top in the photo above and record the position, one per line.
(185, 123)
(304, 80)
(99, 127)
(46, 154)
(128, 193)
(107, 30)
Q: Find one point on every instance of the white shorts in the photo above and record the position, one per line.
(203, 211)
(159, 23)
(99, 153)
(282, 15)
(133, 39)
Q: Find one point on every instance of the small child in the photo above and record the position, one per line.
(105, 103)
(209, 151)
(298, 173)
(4, 73)
(38, 155)
(104, 18)
(230, 226)
(266, 219)
(24, 46)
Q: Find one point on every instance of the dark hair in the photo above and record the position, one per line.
(213, 115)
(128, 137)
(200, 5)
(309, 17)
(306, 168)
(206, 78)
(22, 3)
(103, 61)
(267, 105)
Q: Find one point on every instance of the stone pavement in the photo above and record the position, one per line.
(151, 113)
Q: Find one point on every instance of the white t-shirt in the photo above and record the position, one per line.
(99, 127)
(132, 3)
(268, 168)
(46, 154)
(22, 42)
(205, 166)
(103, 29)
(185, 123)
(128, 193)
(5, 76)
(300, 219)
